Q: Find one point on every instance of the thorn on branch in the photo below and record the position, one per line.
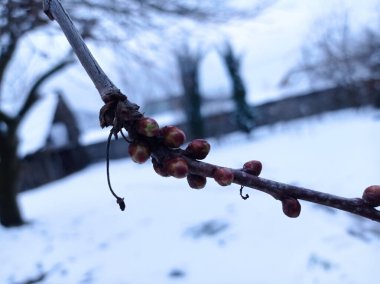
(246, 196)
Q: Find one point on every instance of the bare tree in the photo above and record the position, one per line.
(10, 164)
(188, 62)
(244, 116)
(337, 56)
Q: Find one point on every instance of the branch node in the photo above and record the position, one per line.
(46, 8)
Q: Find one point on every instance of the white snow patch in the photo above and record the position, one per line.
(170, 233)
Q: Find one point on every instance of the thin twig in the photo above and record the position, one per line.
(119, 200)
(244, 197)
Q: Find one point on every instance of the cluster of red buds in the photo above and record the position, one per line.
(176, 166)
(171, 137)
(149, 135)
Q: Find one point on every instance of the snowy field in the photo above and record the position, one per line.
(173, 234)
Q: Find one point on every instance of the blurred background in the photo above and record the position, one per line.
(295, 84)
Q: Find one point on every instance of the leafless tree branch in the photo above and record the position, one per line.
(168, 159)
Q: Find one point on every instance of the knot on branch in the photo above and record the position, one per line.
(46, 7)
(118, 112)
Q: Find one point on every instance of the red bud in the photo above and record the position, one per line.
(159, 169)
(291, 207)
(148, 127)
(253, 167)
(177, 167)
(371, 195)
(198, 149)
(196, 181)
(139, 153)
(223, 176)
(173, 136)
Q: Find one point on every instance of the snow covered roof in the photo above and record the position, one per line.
(35, 127)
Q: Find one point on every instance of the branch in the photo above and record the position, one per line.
(5, 118)
(32, 96)
(146, 140)
(55, 11)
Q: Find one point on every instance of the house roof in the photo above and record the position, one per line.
(35, 127)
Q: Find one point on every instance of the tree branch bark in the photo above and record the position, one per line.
(119, 113)
(55, 11)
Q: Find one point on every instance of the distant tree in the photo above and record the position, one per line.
(336, 56)
(19, 18)
(245, 119)
(10, 214)
(188, 62)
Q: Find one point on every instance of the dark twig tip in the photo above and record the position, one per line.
(121, 203)
(246, 196)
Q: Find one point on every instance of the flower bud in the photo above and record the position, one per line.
(173, 136)
(148, 127)
(371, 195)
(196, 181)
(139, 153)
(291, 207)
(253, 167)
(223, 176)
(177, 167)
(198, 149)
(159, 169)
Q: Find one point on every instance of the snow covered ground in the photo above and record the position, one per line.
(173, 234)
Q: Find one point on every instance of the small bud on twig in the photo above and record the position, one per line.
(198, 149)
(139, 153)
(196, 181)
(148, 127)
(159, 169)
(253, 167)
(177, 167)
(223, 176)
(291, 207)
(371, 195)
(173, 136)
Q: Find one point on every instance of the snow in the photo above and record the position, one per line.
(35, 127)
(173, 234)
